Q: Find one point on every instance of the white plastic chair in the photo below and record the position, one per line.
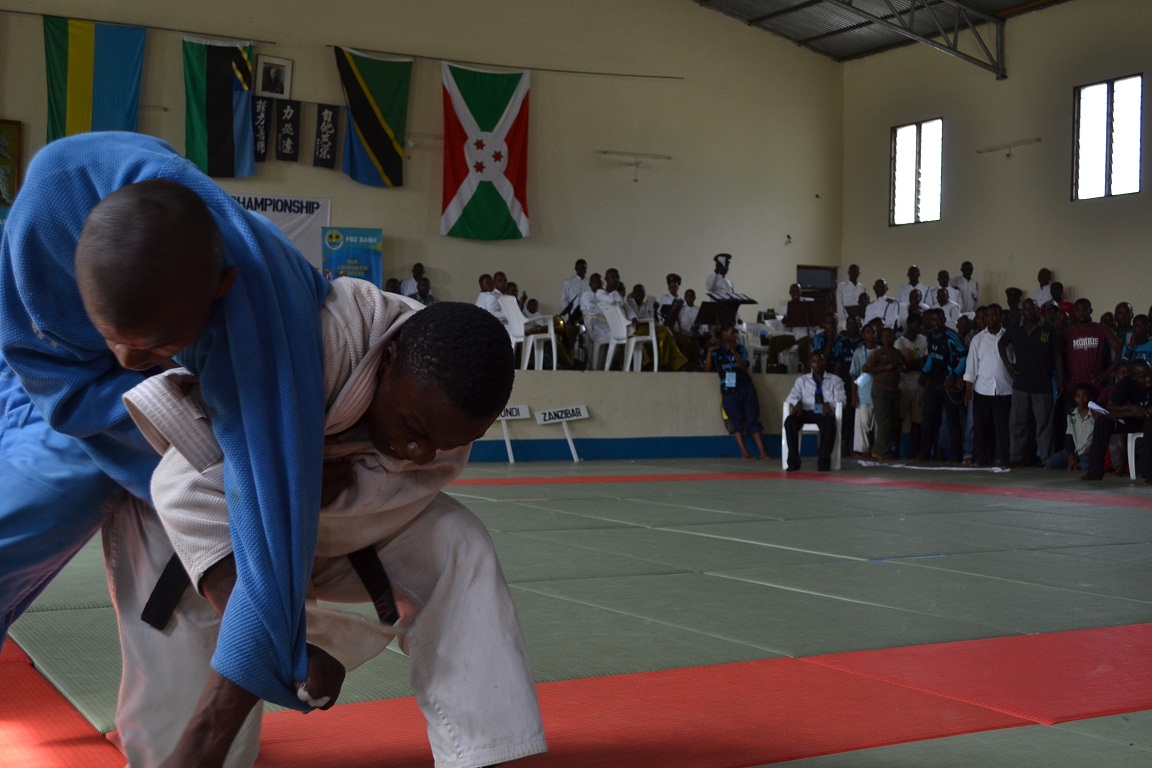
(541, 340)
(1132, 438)
(633, 356)
(514, 322)
(810, 428)
(618, 328)
(752, 334)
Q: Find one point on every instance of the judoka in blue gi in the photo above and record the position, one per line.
(249, 331)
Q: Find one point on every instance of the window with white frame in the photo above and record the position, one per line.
(916, 154)
(1107, 139)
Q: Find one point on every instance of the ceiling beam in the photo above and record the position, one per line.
(783, 12)
(963, 17)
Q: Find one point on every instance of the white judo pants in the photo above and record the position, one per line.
(469, 667)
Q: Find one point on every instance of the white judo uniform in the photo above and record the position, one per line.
(469, 667)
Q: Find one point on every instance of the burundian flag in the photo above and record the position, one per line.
(485, 154)
(376, 92)
(218, 134)
(93, 76)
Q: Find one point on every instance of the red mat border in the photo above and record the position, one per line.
(1017, 492)
(41, 729)
(1047, 663)
(718, 716)
(14, 654)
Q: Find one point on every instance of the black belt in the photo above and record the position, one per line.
(371, 571)
(166, 594)
(174, 580)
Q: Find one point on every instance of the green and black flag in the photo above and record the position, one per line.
(376, 91)
(218, 87)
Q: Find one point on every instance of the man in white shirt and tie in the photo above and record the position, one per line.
(813, 400)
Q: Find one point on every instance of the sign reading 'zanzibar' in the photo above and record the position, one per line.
(571, 413)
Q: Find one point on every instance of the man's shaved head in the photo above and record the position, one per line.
(146, 251)
(149, 265)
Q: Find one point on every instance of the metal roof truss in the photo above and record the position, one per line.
(945, 20)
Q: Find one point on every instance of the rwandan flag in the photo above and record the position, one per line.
(93, 76)
(218, 87)
(376, 92)
(485, 154)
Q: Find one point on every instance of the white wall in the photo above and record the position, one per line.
(754, 129)
(1009, 216)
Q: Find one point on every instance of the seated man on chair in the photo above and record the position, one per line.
(1129, 410)
(813, 400)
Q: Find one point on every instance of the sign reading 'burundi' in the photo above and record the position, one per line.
(485, 154)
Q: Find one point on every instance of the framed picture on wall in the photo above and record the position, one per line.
(273, 77)
(10, 156)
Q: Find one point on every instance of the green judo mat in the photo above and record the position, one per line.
(617, 577)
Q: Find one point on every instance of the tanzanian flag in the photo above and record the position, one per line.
(218, 88)
(376, 92)
(485, 154)
(93, 76)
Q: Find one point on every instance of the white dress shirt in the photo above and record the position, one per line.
(718, 283)
(848, 295)
(1042, 296)
(952, 313)
(490, 301)
(906, 291)
(572, 289)
(408, 286)
(886, 308)
(907, 307)
(804, 391)
(969, 293)
(686, 320)
(953, 294)
(984, 368)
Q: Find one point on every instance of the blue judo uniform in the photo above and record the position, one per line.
(50, 503)
(260, 364)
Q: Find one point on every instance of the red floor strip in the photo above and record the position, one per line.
(1091, 497)
(1048, 679)
(724, 716)
(39, 728)
(600, 479)
(13, 654)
